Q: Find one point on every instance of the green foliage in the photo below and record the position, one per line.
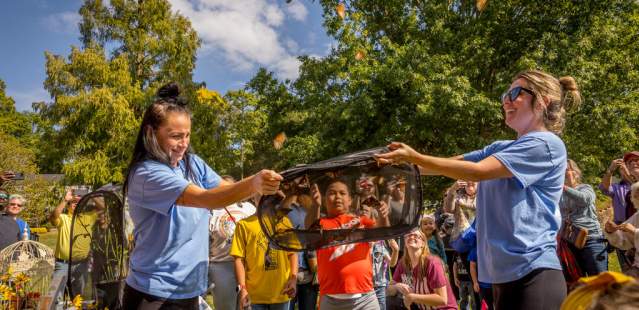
(41, 193)
(430, 73)
(93, 115)
(89, 129)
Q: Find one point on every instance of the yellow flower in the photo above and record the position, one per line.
(22, 278)
(77, 302)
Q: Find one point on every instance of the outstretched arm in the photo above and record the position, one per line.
(489, 168)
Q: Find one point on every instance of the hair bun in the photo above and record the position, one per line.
(169, 91)
(568, 83)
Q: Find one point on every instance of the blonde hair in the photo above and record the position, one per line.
(562, 94)
(572, 165)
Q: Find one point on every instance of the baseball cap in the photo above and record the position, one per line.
(630, 155)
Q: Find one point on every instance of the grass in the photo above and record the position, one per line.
(613, 262)
(49, 238)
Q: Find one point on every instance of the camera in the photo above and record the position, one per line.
(18, 176)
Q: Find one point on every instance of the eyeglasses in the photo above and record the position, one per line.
(15, 204)
(514, 93)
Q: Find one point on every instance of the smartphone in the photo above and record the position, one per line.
(18, 176)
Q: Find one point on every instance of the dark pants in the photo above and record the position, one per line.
(486, 295)
(306, 297)
(136, 300)
(542, 289)
(593, 257)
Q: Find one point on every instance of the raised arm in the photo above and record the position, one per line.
(606, 180)
(313, 212)
(585, 195)
(54, 217)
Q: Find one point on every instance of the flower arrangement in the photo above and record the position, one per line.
(14, 292)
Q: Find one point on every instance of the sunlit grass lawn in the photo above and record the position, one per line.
(49, 239)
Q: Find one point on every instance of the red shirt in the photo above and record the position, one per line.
(347, 268)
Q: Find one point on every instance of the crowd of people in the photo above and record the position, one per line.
(518, 227)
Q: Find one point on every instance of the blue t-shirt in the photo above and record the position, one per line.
(472, 257)
(518, 217)
(170, 258)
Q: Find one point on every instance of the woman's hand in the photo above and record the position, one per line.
(408, 300)
(627, 227)
(266, 182)
(400, 152)
(403, 289)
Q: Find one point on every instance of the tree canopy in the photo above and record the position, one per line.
(428, 73)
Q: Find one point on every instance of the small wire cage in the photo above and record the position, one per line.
(27, 268)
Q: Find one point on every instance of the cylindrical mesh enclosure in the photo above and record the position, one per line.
(290, 220)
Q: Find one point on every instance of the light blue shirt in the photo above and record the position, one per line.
(518, 217)
(170, 258)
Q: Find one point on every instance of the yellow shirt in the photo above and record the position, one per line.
(264, 281)
(82, 231)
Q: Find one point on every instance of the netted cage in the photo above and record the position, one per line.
(380, 202)
(26, 268)
(98, 252)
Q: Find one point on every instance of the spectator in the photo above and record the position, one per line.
(82, 232)
(461, 198)
(267, 277)
(461, 272)
(9, 230)
(628, 168)
(518, 200)
(170, 192)
(221, 264)
(14, 207)
(307, 285)
(435, 243)
(577, 206)
(485, 290)
(420, 277)
(382, 259)
(345, 272)
(625, 236)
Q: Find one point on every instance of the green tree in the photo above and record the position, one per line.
(100, 91)
(40, 192)
(429, 73)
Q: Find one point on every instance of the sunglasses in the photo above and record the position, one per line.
(14, 204)
(514, 93)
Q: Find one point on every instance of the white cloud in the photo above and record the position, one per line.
(297, 10)
(245, 32)
(64, 22)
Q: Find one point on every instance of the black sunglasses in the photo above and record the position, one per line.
(514, 93)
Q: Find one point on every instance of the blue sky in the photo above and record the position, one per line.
(238, 36)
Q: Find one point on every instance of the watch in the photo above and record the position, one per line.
(239, 288)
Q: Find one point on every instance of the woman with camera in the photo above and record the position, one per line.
(170, 192)
(578, 212)
(518, 197)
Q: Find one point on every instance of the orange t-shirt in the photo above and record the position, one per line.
(347, 268)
